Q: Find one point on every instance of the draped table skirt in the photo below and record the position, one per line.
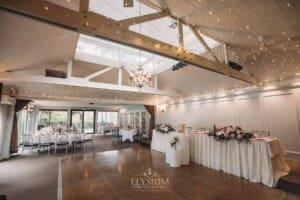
(161, 141)
(256, 161)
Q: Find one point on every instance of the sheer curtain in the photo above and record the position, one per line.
(6, 124)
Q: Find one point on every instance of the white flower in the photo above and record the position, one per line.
(220, 133)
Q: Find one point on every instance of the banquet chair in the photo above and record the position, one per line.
(45, 142)
(88, 139)
(61, 140)
(78, 140)
(116, 136)
(30, 141)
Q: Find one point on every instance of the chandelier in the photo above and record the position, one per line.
(140, 78)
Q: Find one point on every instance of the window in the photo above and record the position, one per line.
(83, 120)
(52, 118)
(106, 118)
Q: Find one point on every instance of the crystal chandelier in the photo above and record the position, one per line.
(140, 78)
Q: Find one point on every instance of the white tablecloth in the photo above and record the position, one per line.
(257, 161)
(71, 138)
(127, 134)
(161, 141)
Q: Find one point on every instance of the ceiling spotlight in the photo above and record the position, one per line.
(179, 65)
(128, 3)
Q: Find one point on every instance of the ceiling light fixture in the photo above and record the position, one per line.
(140, 78)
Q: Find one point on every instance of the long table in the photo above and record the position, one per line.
(258, 161)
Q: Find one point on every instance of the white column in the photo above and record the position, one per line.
(69, 70)
(120, 76)
(155, 82)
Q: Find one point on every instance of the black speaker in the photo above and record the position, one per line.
(235, 66)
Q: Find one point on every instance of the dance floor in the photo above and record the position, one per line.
(123, 174)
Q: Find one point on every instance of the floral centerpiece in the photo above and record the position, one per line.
(181, 128)
(228, 133)
(164, 128)
(174, 141)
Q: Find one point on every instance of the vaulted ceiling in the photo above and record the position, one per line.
(263, 36)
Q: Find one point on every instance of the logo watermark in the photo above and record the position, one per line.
(149, 181)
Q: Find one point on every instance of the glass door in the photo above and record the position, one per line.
(83, 120)
(89, 121)
(76, 120)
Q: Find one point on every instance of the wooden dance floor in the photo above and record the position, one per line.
(112, 175)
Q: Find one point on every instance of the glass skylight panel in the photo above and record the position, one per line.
(114, 9)
(158, 29)
(192, 44)
(102, 52)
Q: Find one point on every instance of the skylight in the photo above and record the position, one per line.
(107, 53)
(159, 29)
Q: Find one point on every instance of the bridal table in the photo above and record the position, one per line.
(160, 142)
(260, 160)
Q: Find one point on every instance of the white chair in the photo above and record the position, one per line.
(61, 140)
(30, 141)
(45, 142)
(88, 139)
(77, 140)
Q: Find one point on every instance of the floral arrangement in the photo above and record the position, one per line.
(174, 141)
(229, 133)
(164, 128)
(181, 128)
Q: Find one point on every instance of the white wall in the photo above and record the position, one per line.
(277, 111)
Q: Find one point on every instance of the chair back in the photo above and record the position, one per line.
(61, 138)
(88, 136)
(45, 139)
(26, 139)
(35, 139)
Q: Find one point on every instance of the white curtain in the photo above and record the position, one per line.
(6, 124)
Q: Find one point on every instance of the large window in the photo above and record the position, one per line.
(107, 118)
(53, 118)
(83, 120)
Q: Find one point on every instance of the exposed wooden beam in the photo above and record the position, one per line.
(103, 27)
(143, 18)
(98, 73)
(84, 6)
(180, 34)
(204, 44)
(81, 82)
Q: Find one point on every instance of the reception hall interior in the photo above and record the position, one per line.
(149, 99)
